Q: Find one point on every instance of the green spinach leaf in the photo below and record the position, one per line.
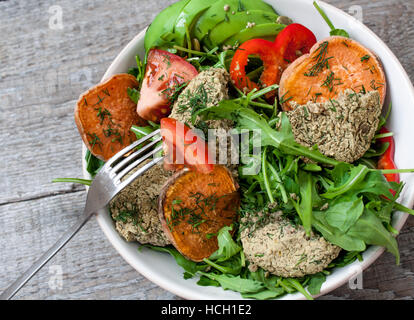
(343, 212)
(371, 230)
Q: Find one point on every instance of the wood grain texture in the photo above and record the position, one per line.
(42, 73)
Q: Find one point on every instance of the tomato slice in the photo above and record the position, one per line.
(183, 147)
(166, 74)
(294, 41)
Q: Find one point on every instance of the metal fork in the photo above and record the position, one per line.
(105, 186)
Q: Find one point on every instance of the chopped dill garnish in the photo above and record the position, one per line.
(100, 100)
(102, 114)
(172, 93)
(316, 96)
(321, 61)
(95, 140)
(365, 58)
(373, 86)
(333, 105)
(330, 81)
(283, 100)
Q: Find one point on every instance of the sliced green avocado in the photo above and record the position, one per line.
(188, 17)
(160, 32)
(262, 31)
(216, 14)
(237, 23)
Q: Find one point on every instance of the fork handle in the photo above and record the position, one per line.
(49, 254)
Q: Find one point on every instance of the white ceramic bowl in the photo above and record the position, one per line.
(162, 269)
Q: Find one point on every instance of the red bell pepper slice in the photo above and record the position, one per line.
(386, 161)
(271, 60)
(292, 42)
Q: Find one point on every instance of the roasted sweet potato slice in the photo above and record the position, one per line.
(194, 206)
(332, 66)
(104, 116)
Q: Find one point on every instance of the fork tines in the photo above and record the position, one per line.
(125, 160)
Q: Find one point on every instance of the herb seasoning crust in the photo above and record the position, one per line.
(342, 128)
(276, 245)
(135, 209)
(206, 90)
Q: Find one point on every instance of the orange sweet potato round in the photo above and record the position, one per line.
(332, 66)
(104, 116)
(193, 207)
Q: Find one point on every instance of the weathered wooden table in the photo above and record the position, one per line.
(44, 67)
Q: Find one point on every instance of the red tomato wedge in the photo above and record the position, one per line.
(166, 74)
(183, 147)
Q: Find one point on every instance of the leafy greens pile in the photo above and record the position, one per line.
(351, 205)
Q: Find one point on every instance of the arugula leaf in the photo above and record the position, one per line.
(346, 259)
(383, 212)
(339, 32)
(265, 295)
(370, 229)
(141, 132)
(296, 284)
(232, 266)
(315, 283)
(93, 164)
(206, 282)
(270, 282)
(133, 94)
(336, 236)
(356, 175)
(229, 282)
(372, 153)
(190, 267)
(227, 247)
(246, 118)
(334, 31)
(304, 209)
(375, 183)
(73, 180)
(139, 73)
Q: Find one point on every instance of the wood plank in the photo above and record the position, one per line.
(92, 269)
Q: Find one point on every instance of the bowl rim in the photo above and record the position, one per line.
(370, 255)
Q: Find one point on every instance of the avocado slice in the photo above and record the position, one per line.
(237, 23)
(160, 32)
(262, 31)
(188, 17)
(216, 14)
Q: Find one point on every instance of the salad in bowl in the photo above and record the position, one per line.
(279, 165)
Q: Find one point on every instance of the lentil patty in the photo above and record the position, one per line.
(342, 128)
(135, 209)
(206, 90)
(283, 249)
